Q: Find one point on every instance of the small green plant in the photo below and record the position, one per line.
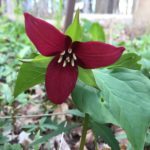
(115, 94)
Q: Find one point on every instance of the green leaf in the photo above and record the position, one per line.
(97, 32)
(75, 112)
(31, 73)
(129, 60)
(147, 139)
(8, 146)
(87, 99)
(60, 130)
(127, 93)
(37, 136)
(145, 61)
(101, 130)
(124, 96)
(6, 92)
(75, 30)
(3, 139)
(86, 75)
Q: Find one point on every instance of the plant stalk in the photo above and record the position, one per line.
(84, 131)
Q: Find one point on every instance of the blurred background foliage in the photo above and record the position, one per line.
(15, 46)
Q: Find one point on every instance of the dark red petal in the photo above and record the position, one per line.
(60, 81)
(47, 39)
(96, 54)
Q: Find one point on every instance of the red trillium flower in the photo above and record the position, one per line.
(62, 71)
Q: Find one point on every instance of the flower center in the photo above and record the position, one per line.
(67, 57)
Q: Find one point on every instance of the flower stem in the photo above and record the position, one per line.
(84, 131)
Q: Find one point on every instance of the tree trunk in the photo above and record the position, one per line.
(116, 6)
(10, 8)
(69, 13)
(102, 6)
(135, 5)
(113, 6)
(141, 14)
(87, 6)
(0, 7)
(41, 8)
(110, 7)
